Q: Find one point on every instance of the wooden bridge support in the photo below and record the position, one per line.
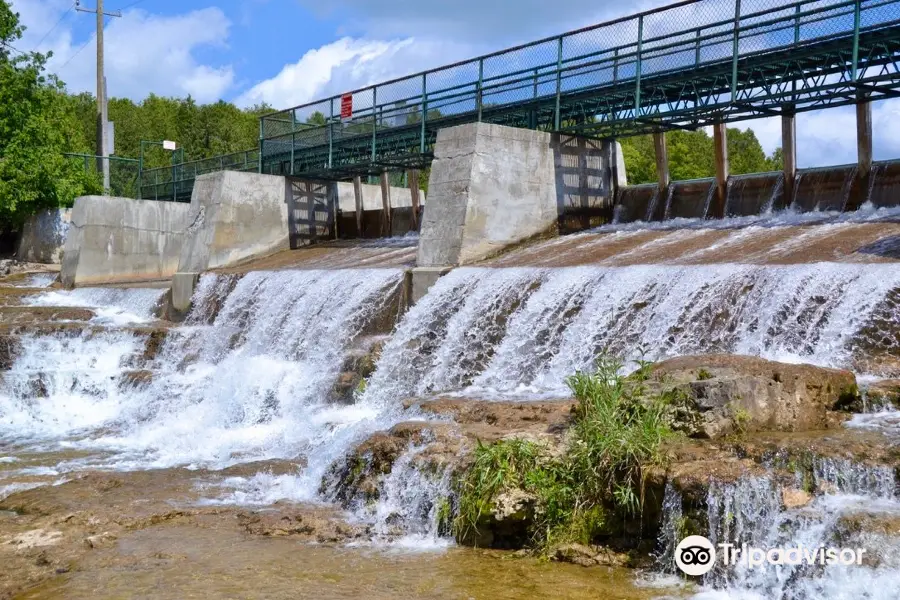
(789, 150)
(860, 191)
(386, 204)
(720, 146)
(662, 160)
(412, 177)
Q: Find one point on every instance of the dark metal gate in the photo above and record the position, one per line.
(311, 211)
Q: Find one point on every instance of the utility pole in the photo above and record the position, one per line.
(102, 117)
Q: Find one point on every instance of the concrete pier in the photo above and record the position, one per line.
(789, 150)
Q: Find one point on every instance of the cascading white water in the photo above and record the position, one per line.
(252, 385)
(410, 500)
(521, 331)
(750, 512)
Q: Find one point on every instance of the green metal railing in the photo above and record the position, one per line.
(686, 65)
(124, 173)
(177, 181)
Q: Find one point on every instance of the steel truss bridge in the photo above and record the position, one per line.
(684, 66)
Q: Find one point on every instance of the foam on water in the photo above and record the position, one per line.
(113, 306)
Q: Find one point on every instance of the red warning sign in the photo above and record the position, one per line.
(346, 106)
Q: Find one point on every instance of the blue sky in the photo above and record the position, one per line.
(287, 52)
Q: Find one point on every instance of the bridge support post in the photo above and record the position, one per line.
(386, 204)
(412, 177)
(720, 145)
(662, 160)
(789, 150)
(358, 195)
(864, 136)
(860, 191)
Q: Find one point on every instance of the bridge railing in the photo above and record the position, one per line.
(619, 55)
(176, 182)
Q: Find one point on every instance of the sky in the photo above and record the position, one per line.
(288, 52)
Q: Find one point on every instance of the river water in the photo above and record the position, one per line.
(249, 377)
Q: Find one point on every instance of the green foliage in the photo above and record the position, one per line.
(36, 127)
(617, 435)
(691, 155)
(742, 419)
(704, 375)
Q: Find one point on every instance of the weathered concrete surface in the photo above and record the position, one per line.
(119, 239)
(183, 285)
(43, 236)
(401, 197)
(492, 186)
(234, 217)
(422, 280)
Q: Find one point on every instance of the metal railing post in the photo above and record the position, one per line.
(856, 16)
(736, 49)
(697, 49)
(637, 72)
(293, 137)
(262, 121)
(797, 25)
(479, 94)
(616, 66)
(330, 131)
(559, 57)
(374, 121)
(424, 111)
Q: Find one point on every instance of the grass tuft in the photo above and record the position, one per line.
(616, 438)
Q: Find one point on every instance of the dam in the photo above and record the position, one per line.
(298, 375)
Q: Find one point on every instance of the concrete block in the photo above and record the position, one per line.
(493, 186)
(183, 286)
(44, 236)
(422, 280)
(234, 217)
(120, 240)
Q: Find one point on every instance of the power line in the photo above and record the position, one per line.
(135, 3)
(52, 29)
(11, 47)
(77, 52)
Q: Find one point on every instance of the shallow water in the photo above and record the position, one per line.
(176, 563)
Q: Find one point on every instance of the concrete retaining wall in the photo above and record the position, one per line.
(492, 186)
(43, 236)
(234, 217)
(119, 239)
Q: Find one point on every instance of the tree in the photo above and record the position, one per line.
(36, 128)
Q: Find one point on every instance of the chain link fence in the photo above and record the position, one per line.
(124, 173)
(553, 83)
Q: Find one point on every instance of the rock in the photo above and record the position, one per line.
(882, 394)
(722, 394)
(513, 505)
(794, 498)
(100, 540)
(589, 556)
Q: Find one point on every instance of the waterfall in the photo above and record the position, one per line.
(247, 378)
(520, 331)
(750, 511)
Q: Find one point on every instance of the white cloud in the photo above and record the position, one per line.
(348, 64)
(145, 53)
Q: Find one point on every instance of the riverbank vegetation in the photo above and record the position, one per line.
(584, 489)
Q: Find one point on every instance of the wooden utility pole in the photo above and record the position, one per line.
(102, 116)
(662, 160)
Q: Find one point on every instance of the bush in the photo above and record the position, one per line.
(617, 435)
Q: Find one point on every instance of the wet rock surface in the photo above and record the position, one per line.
(744, 393)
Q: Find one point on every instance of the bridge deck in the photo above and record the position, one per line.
(650, 72)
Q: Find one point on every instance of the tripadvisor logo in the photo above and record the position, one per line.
(696, 555)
